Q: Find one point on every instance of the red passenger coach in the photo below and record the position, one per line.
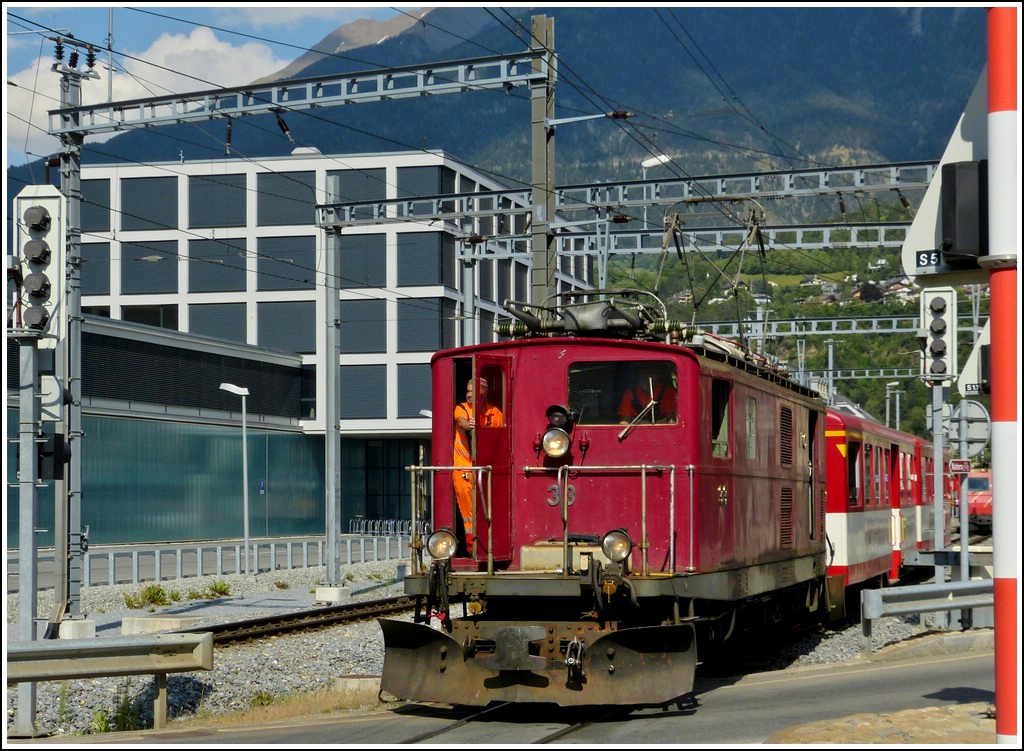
(642, 487)
(874, 492)
(925, 500)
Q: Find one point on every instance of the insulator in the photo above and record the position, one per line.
(58, 51)
(90, 57)
(73, 60)
(284, 128)
(511, 328)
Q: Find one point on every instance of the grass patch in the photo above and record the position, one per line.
(293, 706)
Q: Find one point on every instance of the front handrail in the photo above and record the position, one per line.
(563, 473)
(418, 471)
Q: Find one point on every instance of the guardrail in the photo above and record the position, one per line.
(153, 654)
(923, 598)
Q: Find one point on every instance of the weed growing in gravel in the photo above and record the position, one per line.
(261, 699)
(220, 588)
(63, 707)
(154, 594)
(281, 585)
(100, 721)
(126, 715)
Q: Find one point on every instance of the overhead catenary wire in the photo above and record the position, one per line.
(286, 133)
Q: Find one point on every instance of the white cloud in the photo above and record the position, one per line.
(174, 63)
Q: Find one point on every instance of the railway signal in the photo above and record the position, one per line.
(41, 260)
(939, 328)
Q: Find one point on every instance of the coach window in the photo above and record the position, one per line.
(853, 460)
(867, 475)
(887, 469)
(905, 479)
(721, 391)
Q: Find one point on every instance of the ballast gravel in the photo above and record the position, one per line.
(247, 674)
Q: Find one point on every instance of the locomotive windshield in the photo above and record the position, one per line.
(615, 393)
(977, 484)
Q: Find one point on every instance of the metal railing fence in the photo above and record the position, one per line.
(136, 564)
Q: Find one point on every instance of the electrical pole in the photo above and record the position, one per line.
(70, 544)
(542, 103)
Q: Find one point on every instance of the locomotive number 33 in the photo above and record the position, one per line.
(556, 495)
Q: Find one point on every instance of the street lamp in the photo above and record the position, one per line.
(654, 161)
(243, 392)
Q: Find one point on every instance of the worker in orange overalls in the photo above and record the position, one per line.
(462, 480)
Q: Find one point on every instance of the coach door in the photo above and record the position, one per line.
(493, 448)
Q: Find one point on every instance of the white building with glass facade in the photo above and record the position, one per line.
(195, 273)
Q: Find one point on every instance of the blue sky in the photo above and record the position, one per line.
(168, 43)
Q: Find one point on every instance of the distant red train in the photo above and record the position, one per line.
(979, 500)
(643, 488)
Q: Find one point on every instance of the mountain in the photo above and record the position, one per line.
(720, 88)
(347, 39)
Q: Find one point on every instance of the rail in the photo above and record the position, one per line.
(154, 654)
(922, 598)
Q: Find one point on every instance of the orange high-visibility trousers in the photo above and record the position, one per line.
(463, 484)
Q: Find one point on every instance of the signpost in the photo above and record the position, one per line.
(969, 424)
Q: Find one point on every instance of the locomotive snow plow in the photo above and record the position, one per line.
(563, 664)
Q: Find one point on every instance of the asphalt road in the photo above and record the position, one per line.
(745, 711)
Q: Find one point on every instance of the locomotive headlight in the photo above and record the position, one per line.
(556, 442)
(616, 545)
(442, 544)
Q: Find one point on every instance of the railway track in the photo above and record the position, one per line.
(554, 723)
(302, 620)
(333, 615)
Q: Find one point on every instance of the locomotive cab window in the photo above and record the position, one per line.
(615, 393)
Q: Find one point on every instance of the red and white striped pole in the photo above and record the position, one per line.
(1004, 234)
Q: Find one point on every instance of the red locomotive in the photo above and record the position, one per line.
(979, 500)
(643, 487)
